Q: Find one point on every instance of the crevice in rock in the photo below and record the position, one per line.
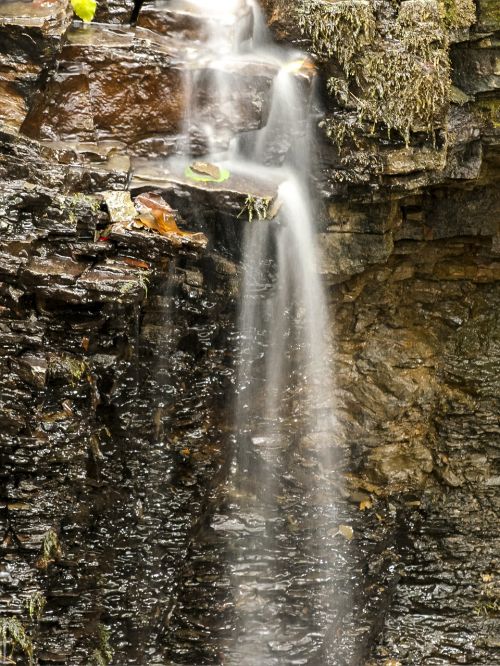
(136, 11)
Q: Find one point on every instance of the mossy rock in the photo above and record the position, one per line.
(488, 15)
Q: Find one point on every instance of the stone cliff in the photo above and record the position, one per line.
(116, 342)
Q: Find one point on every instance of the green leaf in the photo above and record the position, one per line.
(200, 178)
(84, 9)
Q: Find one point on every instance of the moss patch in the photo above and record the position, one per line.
(398, 78)
(13, 637)
(339, 29)
(458, 13)
(51, 550)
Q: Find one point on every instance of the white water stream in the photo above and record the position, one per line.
(284, 375)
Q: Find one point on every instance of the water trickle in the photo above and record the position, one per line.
(279, 522)
(275, 527)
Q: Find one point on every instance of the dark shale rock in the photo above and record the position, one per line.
(116, 83)
(115, 11)
(117, 361)
(32, 36)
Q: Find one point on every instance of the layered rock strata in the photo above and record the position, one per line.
(117, 346)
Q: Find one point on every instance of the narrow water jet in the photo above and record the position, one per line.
(284, 413)
(279, 523)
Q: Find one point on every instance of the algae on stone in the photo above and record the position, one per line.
(458, 13)
(398, 79)
(256, 208)
(341, 29)
(103, 654)
(35, 605)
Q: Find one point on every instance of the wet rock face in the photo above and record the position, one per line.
(31, 37)
(108, 415)
(116, 11)
(420, 404)
(117, 357)
(130, 86)
(282, 20)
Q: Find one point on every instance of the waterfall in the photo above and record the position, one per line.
(284, 408)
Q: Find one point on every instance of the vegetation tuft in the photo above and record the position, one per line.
(399, 78)
(51, 550)
(13, 637)
(103, 654)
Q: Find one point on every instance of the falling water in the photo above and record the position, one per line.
(284, 424)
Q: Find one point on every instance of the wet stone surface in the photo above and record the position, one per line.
(119, 499)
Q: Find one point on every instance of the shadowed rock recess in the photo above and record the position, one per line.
(118, 334)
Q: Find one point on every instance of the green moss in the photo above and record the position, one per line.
(490, 111)
(458, 13)
(339, 131)
(339, 28)
(256, 208)
(51, 550)
(79, 205)
(142, 282)
(103, 654)
(87, 200)
(76, 368)
(35, 606)
(13, 636)
(404, 93)
(488, 15)
(71, 367)
(489, 598)
(399, 80)
(407, 84)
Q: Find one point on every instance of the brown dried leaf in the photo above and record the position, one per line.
(156, 214)
(206, 169)
(137, 263)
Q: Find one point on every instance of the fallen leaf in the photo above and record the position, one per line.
(154, 213)
(84, 9)
(346, 531)
(206, 169)
(365, 504)
(198, 177)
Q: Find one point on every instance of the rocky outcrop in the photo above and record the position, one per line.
(447, 140)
